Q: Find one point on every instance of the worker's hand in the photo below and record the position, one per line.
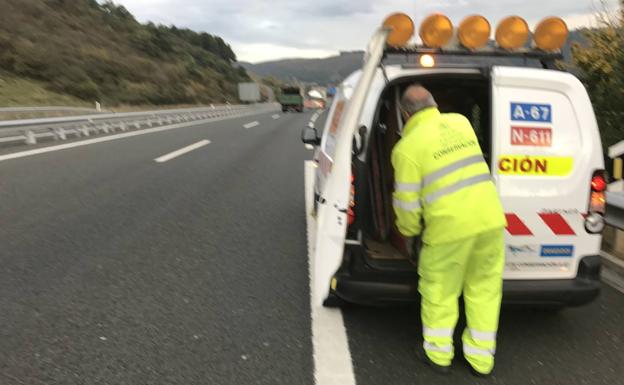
(413, 245)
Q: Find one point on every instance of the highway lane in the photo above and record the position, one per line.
(116, 269)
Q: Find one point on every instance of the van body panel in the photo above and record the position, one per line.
(545, 149)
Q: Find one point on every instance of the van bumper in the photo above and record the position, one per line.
(389, 289)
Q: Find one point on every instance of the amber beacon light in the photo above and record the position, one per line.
(512, 32)
(550, 34)
(474, 31)
(401, 29)
(436, 31)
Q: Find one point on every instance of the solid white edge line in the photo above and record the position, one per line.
(182, 151)
(330, 345)
(251, 124)
(108, 138)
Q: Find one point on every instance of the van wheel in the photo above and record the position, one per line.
(333, 301)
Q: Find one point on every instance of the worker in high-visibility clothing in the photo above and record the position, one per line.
(444, 190)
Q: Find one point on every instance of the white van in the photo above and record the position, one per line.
(538, 133)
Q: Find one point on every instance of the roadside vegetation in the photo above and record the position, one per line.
(601, 65)
(98, 52)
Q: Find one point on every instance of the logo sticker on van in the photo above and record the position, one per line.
(557, 251)
(531, 112)
(523, 250)
(535, 165)
(531, 136)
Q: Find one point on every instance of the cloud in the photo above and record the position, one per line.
(260, 30)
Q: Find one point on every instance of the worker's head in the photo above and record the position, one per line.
(415, 99)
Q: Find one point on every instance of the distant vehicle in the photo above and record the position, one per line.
(248, 92)
(316, 99)
(291, 99)
(538, 133)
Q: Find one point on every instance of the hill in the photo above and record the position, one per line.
(89, 51)
(322, 71)
(336, 68)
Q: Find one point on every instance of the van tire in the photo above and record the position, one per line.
(333, 301)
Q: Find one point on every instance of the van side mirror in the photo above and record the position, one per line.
(309, 135)
(359, 141)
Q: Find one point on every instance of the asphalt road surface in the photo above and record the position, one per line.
(117, 269)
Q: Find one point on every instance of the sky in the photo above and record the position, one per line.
(276, 29)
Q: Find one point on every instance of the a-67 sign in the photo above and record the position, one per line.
(531, 112)
(531, 136)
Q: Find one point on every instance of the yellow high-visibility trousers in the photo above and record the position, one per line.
(473, 266)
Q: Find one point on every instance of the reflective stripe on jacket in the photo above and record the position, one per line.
(442, 179)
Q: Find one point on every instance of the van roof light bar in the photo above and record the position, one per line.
(547, 59)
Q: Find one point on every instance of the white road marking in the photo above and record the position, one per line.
(332, 357)
(309, 147)
(251, 124)
(314, 117)
(182, 151)
(276, 116)
(108, 138)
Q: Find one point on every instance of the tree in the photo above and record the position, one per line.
(602, 71)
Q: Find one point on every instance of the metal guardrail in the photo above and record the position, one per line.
(46, 109)
(614, 215)
(29, 130)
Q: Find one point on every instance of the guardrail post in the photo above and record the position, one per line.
(59, 133)
(84, 130)
(122, 126)
(30, 137)
(137, 124)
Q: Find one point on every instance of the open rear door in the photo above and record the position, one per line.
(334, 199)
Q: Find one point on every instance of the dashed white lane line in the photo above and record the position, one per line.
(182, 151)
(332, 357)
(251, 124)
(276, 116)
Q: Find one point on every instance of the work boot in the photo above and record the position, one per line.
(435, 367)
(474, 372)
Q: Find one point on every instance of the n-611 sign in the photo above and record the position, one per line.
(531, 136)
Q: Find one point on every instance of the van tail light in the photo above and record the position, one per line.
(594, 221)
(350, 211)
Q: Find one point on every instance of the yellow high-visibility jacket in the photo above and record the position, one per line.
(442, 180)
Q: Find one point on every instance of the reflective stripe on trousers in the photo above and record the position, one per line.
(479, 352)
(481, 335)
(431, 332)
(434, 348)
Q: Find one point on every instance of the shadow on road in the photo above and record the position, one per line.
(535, 346)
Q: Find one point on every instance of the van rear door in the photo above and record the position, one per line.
(545, 147)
